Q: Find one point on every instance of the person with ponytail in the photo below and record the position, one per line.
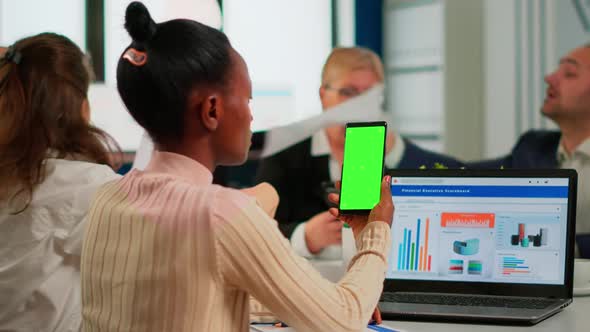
(52, 161)
(167, 250)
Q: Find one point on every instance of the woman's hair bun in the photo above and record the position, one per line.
(139, 23)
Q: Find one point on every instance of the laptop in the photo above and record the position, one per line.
(481, 245)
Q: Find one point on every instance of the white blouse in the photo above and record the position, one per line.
(40, 249)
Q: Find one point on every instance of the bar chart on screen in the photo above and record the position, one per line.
(512, 265)
(414, 243)
(526, 265)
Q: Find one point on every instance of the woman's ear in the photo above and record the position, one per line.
(210, 112)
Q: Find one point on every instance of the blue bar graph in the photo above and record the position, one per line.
(399, 257)
(513, 265)
(408, 249)
(413, 253)
(417, 244)
(404, 249)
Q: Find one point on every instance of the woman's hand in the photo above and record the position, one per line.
(383, 211)
(376, 318)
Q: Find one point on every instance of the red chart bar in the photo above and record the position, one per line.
(426, 244)
(429, 261)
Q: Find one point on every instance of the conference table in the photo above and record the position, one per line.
(575, 317)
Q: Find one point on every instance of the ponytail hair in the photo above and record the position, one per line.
(139, 23)
(163, 64)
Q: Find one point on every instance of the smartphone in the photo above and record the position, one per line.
(362, 167)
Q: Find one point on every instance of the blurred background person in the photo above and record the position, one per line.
(52, 160)
(567, 103)
(305, 172)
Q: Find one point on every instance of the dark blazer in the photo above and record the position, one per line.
(534, 149)
(298, 178)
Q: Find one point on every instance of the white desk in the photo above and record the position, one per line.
(576, 317)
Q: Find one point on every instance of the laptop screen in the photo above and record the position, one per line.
(479, 229)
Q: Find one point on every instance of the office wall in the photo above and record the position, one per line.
(23, 18)
(20, 18)
(433, 56)
(463, 78)
(500, 63)
(285, 44)
(345, 22)
(571, 24)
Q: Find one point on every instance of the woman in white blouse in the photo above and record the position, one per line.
(52, 161)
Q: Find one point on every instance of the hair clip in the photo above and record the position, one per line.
(13, 55)
(135, 57)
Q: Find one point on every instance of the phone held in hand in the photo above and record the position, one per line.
(362, 167)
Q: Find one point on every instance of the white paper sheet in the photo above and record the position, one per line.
(366, 107)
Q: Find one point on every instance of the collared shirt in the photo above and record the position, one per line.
(40, 249)
(320, 147)
(580, 161)
(166, 250)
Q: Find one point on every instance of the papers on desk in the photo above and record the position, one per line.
(381, 328)
(271, 327)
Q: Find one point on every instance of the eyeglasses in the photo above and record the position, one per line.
(347, 91)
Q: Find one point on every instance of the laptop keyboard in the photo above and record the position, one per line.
(480, 301)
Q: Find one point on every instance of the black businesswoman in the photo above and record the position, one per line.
(176, 252)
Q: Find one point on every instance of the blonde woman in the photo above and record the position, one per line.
(302, 176)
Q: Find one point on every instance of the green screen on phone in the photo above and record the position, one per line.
(362, 168)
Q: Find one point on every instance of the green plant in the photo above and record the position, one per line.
(442, 166)
(436, 166)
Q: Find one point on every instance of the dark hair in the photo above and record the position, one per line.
(181, 55)
(42, 91)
